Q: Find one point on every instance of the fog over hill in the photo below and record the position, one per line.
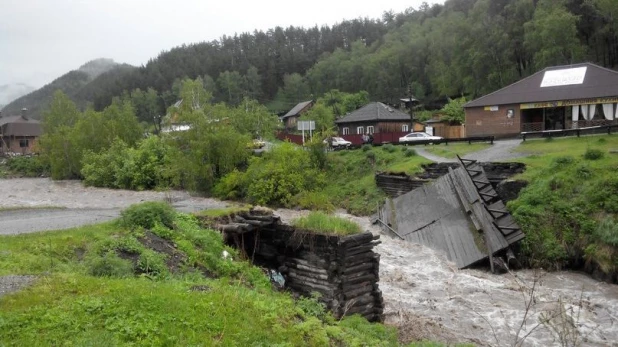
(10, 92)
(70, 83)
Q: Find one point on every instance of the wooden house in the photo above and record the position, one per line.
(18, 134)
(291, 118)
(374, 118)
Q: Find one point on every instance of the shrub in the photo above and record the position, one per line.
(601, 140)
(549, 139)
(562, 161)
(607, 232)
(281, 174)
(323, 223)
(231, 186)
(109, 265)
(371, 156)
(28, 166)
(593, 154)
(152, 263)
(147, 214)
(313, 201)
(409, 152)
(389, 148)
(366, 147)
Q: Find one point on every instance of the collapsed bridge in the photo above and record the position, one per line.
(459, 214)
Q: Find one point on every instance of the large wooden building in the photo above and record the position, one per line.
(559, 97)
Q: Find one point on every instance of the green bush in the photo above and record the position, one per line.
(607, 232)
(145, 167)
(152, 263)
(562, 161)
(231, 186)
(147, 214)
(313, 201)
(409, 152)
(366, 147)
(28, 166)
(389, 148)
(280, 174)
(593, 154)
(109, 265)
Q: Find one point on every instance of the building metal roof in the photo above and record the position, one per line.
(598, 82)
(19, 126)
(297, 109)
(375, 111)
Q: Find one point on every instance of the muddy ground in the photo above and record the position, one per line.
(426, 296)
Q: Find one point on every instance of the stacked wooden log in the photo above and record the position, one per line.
(343, 270)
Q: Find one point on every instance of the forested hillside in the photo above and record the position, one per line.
(70, 83)
(464, 47)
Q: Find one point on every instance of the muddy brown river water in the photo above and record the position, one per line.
(425, 296)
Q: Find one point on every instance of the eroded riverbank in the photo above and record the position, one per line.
(425, 295)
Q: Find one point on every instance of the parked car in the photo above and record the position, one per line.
(256, 144)
(413, 137)
(338, 142)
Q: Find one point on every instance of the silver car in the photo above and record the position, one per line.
(413, 137)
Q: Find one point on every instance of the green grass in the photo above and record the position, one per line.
(568, 197)
(453, 149)
(542, 151)
(326, 224)
(351, 176)
(83, 310)
(222, 212)
(210, 300)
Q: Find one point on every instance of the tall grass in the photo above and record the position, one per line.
(327, 224)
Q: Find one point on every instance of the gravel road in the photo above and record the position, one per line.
(39, 204)
(501, 150)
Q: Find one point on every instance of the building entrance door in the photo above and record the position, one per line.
(554, 118)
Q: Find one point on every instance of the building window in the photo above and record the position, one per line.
(360, 130)
(404, 128)
(23, 143)
(346, 131)
(370, 129)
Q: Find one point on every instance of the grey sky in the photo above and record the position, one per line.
(41, 40)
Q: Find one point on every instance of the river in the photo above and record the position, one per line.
(425, 296)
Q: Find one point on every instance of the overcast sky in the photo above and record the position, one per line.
(41, 40)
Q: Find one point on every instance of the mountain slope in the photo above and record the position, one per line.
(70, 83)
(10, 92)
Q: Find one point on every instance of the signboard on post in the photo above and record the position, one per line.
(308, 125)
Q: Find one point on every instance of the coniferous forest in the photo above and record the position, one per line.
(461, 48)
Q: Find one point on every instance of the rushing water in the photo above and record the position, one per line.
(427, 297)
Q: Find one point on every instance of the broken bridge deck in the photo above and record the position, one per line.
(459, 214)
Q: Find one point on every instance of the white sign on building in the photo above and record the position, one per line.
(564, 77)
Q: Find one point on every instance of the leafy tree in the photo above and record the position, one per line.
(552, 35)
(59, 148)
(323, 117)
(454, 112)
(230, 87)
